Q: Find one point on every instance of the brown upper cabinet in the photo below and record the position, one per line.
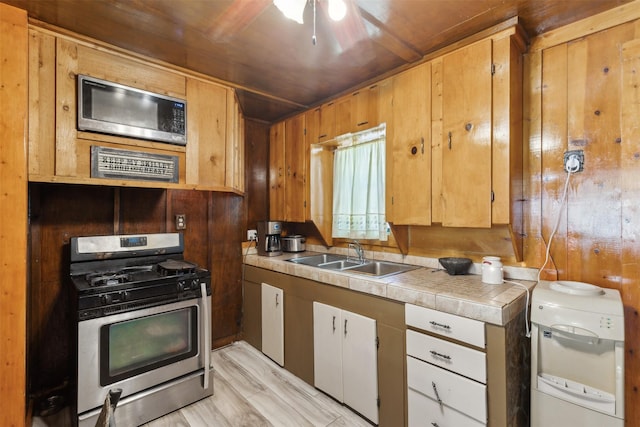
(364, 108)
(288, 158)
(481, 141)
(454, 139)
(321, 123)
(59, 152)
(409, 142)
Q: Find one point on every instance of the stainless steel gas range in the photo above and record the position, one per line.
(144, 319)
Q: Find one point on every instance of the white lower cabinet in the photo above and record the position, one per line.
(273, 323)
(446, 381)
(345, 358)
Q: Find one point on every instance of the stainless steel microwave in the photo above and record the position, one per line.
(112, 108)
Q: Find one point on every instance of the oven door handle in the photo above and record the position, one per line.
(206, 341)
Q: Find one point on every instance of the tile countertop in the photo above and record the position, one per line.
(429, 286)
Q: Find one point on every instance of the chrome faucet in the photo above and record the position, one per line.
(358, 249)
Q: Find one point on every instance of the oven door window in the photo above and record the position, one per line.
(143, 344)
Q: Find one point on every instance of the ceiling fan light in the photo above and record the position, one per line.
(292, 9)
(337, 9)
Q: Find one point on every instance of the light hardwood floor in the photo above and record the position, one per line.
(250, 390)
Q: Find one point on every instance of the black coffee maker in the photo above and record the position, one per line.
(269, 238)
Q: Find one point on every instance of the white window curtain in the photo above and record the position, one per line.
(359, 185)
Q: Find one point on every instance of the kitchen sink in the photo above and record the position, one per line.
(381, 268)
(319, 260)
(349, 265)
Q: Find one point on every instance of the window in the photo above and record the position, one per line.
(359, 185)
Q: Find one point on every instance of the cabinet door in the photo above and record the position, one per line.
(273, 323)
(360, 364)
(411, 148)
(207, 130)
(364, 108)
(467, 136)
(343, 121)
(327, 122)
(295, 153)
(276, 172)
(327, 349)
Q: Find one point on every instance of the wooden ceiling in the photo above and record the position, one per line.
(272, 61)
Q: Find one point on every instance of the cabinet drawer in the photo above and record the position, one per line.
(426, 412)
(445, 324)
(454, 357)
(455, 391)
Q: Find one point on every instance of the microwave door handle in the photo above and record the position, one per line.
(206, 339)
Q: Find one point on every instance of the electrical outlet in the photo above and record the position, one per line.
(252, 235)
(574, 161)
(181, 222)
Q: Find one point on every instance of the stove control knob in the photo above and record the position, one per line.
(195, 284)
(106, 299)
(124, 295)
(182, 285)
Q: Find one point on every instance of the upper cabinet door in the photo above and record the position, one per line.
(295, 153)
(276, 172)
(207, 130)
(326, 122)
(467, 136)
(410, 145)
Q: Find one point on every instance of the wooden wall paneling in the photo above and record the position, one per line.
(629, 165)
(65, 112)
(507, 154)
(13, 213)
(594, 207)
(58, 212)
(42, 98)
(533, 243)
(277, 172)
(143, 211)
(554, 143)
(194, 205)
(256, 199)
(227, 220)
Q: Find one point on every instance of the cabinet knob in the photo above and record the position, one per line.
(468, 127)
(414, 150)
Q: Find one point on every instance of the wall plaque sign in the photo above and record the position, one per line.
(125, 164)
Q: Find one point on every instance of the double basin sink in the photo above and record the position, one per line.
(344, 263)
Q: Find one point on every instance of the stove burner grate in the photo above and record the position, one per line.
(172, 267)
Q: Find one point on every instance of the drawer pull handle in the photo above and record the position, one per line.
(435, 390)
(440, 325)
(436, 354)
(334, 324)
(345, 327)
(434, 424)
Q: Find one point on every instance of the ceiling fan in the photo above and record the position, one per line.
(342, 16)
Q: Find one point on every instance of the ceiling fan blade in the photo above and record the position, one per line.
(350, 30)
(236, 18)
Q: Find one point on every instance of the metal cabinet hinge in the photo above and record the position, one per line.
(493, 196)
(378, 402)
(493, 69)
(377, 342)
